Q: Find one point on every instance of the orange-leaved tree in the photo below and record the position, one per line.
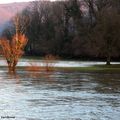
(13, 50)
(49, 62)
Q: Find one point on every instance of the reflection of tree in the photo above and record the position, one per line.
(37, 74)
(14, 76)
(107, 83)
(108, 86)
(43, 78)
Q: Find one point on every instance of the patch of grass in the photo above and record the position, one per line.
(95, 68)
(78, 68)
(108, 66)
(115, 68)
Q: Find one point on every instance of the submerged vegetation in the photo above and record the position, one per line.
(47, 64)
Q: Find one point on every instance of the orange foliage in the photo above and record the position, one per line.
(13, 50)
(33, 67)
(49, 62)
(47, 65)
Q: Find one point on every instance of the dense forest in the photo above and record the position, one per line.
(87, 29)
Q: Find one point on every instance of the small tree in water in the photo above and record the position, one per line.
(49, 62)
(13, 50)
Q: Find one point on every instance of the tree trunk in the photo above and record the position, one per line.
(109, 49)
(108, 60)
(11, 67)
(14, 66)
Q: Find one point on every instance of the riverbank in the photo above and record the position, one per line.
(95, 68)
(62, 65)
(90, 69)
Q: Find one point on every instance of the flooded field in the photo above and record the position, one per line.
(58, 63)
(59, 96)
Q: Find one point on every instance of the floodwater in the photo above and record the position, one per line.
(57, 63)
(61, 95)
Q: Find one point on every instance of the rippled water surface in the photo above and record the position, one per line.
(59, 96)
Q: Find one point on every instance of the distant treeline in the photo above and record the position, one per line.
(71, 28)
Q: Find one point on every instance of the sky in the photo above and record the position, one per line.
(10, 1)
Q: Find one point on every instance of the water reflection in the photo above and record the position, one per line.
(60, 95)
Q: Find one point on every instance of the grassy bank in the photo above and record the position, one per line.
(96, 68)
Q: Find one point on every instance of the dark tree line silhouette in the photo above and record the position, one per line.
(72, 28)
